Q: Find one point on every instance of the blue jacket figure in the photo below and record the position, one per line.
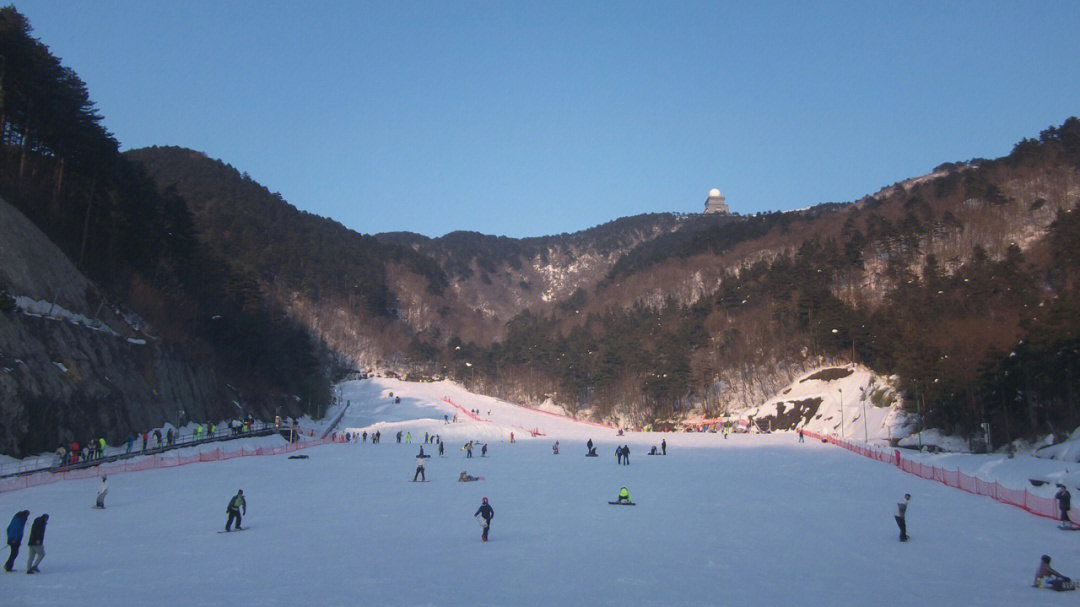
(483, 515)
(15, 535)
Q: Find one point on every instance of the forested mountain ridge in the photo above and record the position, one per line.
(136, 247)
(657, 315)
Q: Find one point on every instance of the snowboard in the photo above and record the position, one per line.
(622, 503)
(235, 530)
(424, 481)
(1069, 527)
(591, 455)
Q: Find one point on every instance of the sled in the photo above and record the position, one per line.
(622, 503)
(1061, 586)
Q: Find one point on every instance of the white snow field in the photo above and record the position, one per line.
(751, 520)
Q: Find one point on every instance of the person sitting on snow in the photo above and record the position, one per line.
(624, 496)
(466, 477)
(1046, 576)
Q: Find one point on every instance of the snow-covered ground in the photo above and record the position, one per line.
(754, 519)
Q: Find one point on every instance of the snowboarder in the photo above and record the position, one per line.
(468, 449)
(483, 515)
(34, 544)
(233, 510)
(555, 447)
(618, 454)
(399, 436)
(588, 447)
(900, 514)
(1064, 500)
(663, 446)
(624, 496)
(626, 455)
(440, 449)
(419, 467)
(801, 440)
(465, 477)
(511, 437)
(1047, 577)
(14, 536)
(102, 490)
(483, 450)
(408, 437)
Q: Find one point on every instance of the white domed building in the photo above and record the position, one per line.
(715, 203)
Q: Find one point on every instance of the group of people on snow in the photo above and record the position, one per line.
(35, 543)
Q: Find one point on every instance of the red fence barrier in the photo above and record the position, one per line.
(150, 462)
(1021, 498)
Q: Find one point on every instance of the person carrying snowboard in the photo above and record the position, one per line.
(1064, 500)
(102, 490)
(233, 510)
(1046, 577)
(419, 468)
(483, 515)
(900, 514)
(624, 496)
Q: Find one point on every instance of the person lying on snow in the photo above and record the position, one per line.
(466, 477)
(1047, 577)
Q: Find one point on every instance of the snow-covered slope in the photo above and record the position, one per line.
(850, 401)
(750, 520)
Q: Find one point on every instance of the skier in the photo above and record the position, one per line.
(419, 467)
(663, 446)
(233, 510)
(102, 490)
(483, 515)
(14, 536)
(626, 455)
(624, 496)
(900, 514)
(34, 544)
(1047, 577)
(1064, 500)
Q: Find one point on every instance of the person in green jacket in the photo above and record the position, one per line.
(624, 496)
(101, 448)
(198, 432)
(235, 505)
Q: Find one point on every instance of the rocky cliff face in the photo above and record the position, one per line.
(74, 366)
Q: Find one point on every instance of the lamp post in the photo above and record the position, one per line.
(841, 391)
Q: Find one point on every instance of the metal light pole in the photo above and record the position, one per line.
(918, 411)
(841, 391)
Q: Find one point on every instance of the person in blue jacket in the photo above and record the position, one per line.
(485, 512)
(15, 535)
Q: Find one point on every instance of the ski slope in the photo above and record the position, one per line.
(754, 519)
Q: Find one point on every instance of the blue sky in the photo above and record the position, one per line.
(533, 118)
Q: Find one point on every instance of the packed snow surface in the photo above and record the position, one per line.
(751, 520)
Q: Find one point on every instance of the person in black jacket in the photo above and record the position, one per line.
(1064, 500)
(233, 510)
(37, 538)
(14, 536)
(485, 513)
(626, 455)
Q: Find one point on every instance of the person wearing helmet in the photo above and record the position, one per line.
(624, 496)
(1047, 577)
(483, 515)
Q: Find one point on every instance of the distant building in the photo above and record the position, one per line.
(715, 203)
